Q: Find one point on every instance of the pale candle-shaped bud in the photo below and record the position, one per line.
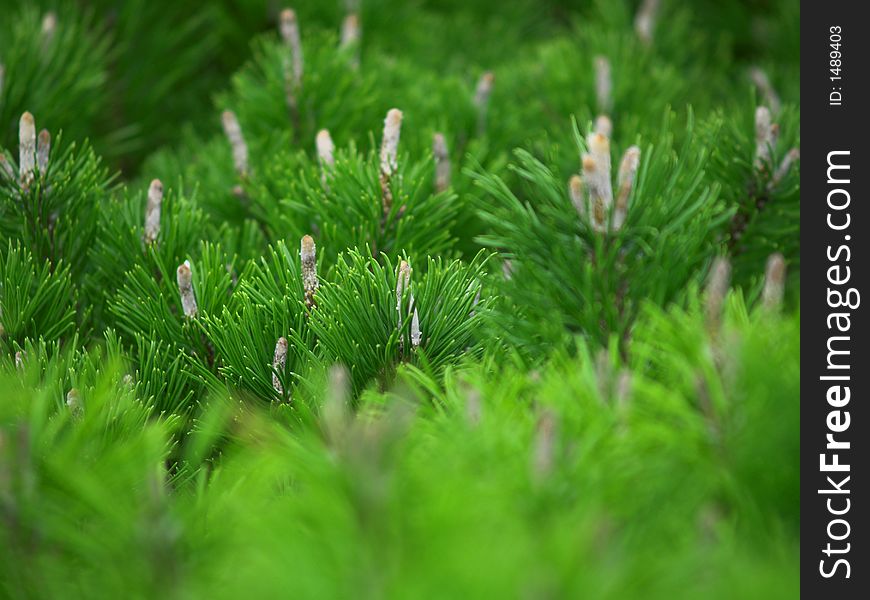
(484, 89)
(625, 182)
(43, 150)
(599, 206)
(389, 155)
(325, 148)
(336, 412)
(26, 148)
(766, 134)
(790, 158)
(390, 141)
(152, 211)
(544, 447)
(473, 407)
(604, 126)
(762, 82)
(403, 282)
(290, 34)
(575, 189)
(184, 277)
(717, 290)
(350, 30)
(599, 148)
(596, 180)
(233, 131)
(774, 282)
(603, 84)
(278, 362)
(416, 335)
(481, 99)
(644, 21)
(308, 256)
(442, 162)
(49, 26)
(74, 403)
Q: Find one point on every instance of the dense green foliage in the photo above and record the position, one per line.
(535, 335)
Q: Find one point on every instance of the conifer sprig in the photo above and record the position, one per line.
(447, 323)
(583, 274)
(51, 201)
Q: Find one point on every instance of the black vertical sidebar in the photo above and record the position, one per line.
(835, 60)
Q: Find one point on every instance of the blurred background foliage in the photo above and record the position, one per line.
(128, 75)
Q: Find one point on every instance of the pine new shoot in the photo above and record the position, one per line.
(336, 407)
(350, 30)
(325, 148)
(233, 131)
(603, 84)
(481, 99)
(43, 150)
(74, 404)
(289, 28)
(484, 89)
(473, 407)
(717, 290)
(599, 148)
(325, 153)
(350, 37)
(544, 447)
(152, 211)
(596, 180)
(390, 141)
(278, 363)
(49, 27)
(442, 162)
(185, 288)
(389, 155)
(774, 282)
(308, 256)
(416, 336)
(575, 189)
(766, 134)
(403, 284)
(604, 126)
(625, 182)
(645, 20)
(26, 149)
(762, 82)
(791, 157)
